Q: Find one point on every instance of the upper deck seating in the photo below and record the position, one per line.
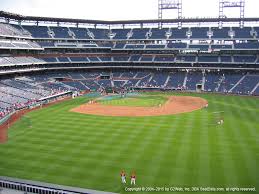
(199, 46)
(155, 46)
(10, 30)
(120, 33)
(134, 46)
(99, 33)
(242, 32)
(60, 32)
(208, 59)
(178, 33)
(199, 33)
(221, 46)
(158, 33)
(80, 33)
(220, 33)
(38, 31)
(139, 33)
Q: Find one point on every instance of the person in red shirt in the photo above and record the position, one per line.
(123, 177)
(133, 178)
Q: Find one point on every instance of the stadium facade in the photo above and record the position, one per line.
(41, 56)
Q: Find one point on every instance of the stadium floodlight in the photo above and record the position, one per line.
(232, 4)
(170, 5)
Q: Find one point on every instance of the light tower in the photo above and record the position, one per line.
(232, 4)
(170, 5)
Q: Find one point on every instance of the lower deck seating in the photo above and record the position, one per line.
(20, 91)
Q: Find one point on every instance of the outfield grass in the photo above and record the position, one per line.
(136, 101)
(180, 150)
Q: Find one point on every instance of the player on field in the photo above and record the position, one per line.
(133, 178)
(123, 177)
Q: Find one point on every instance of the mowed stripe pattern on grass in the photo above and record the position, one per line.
(181, 150)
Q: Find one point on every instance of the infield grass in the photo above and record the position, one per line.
(180, 150)
(142, 101)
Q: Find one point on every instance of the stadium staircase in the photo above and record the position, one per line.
(71, 33)
(166, 81)
(24, 31)
(57, 60)
(254, 89)
(84, 85)
(135, 76)
(231, 89)
(185, 80)
(129, 35)
(90, 34)
(137, 84)
(151, 77)
(51, 33)
(82, 76)
(203, 81)
(112, 83)
(69, 59)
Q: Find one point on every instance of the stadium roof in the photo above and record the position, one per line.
(17, 17)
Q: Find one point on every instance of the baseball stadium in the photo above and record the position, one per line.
(166, 105)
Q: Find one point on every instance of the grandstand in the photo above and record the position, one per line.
(39, 59)
(220, 59)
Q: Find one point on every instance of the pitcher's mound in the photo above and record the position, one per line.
(174, 105)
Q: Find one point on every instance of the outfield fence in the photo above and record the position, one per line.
(28, 186)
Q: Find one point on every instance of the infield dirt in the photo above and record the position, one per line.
(174, 105)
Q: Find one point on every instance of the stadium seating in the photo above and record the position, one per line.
(10, 30)
(78, 59)
(199, 46)
(208, 58)
(221, 46)
(99, 33)
(212, 81)
(199, 33)
(250, 45)
(165, 58)
(38, 31)
(155, 46)
(158, 80)
(186, 58)
(242, 32)
(179, 33)
(134, 46)
(27, 89)
(139, 34)
(176, 80)
(60, 32)
(193, 78)
(245, 59)
(185, 47)
(229, 82)
(177, 45)
(158, 33)
(220, 33)
(247, 84)
(120, 33)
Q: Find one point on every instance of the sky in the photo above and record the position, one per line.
(119, 9)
